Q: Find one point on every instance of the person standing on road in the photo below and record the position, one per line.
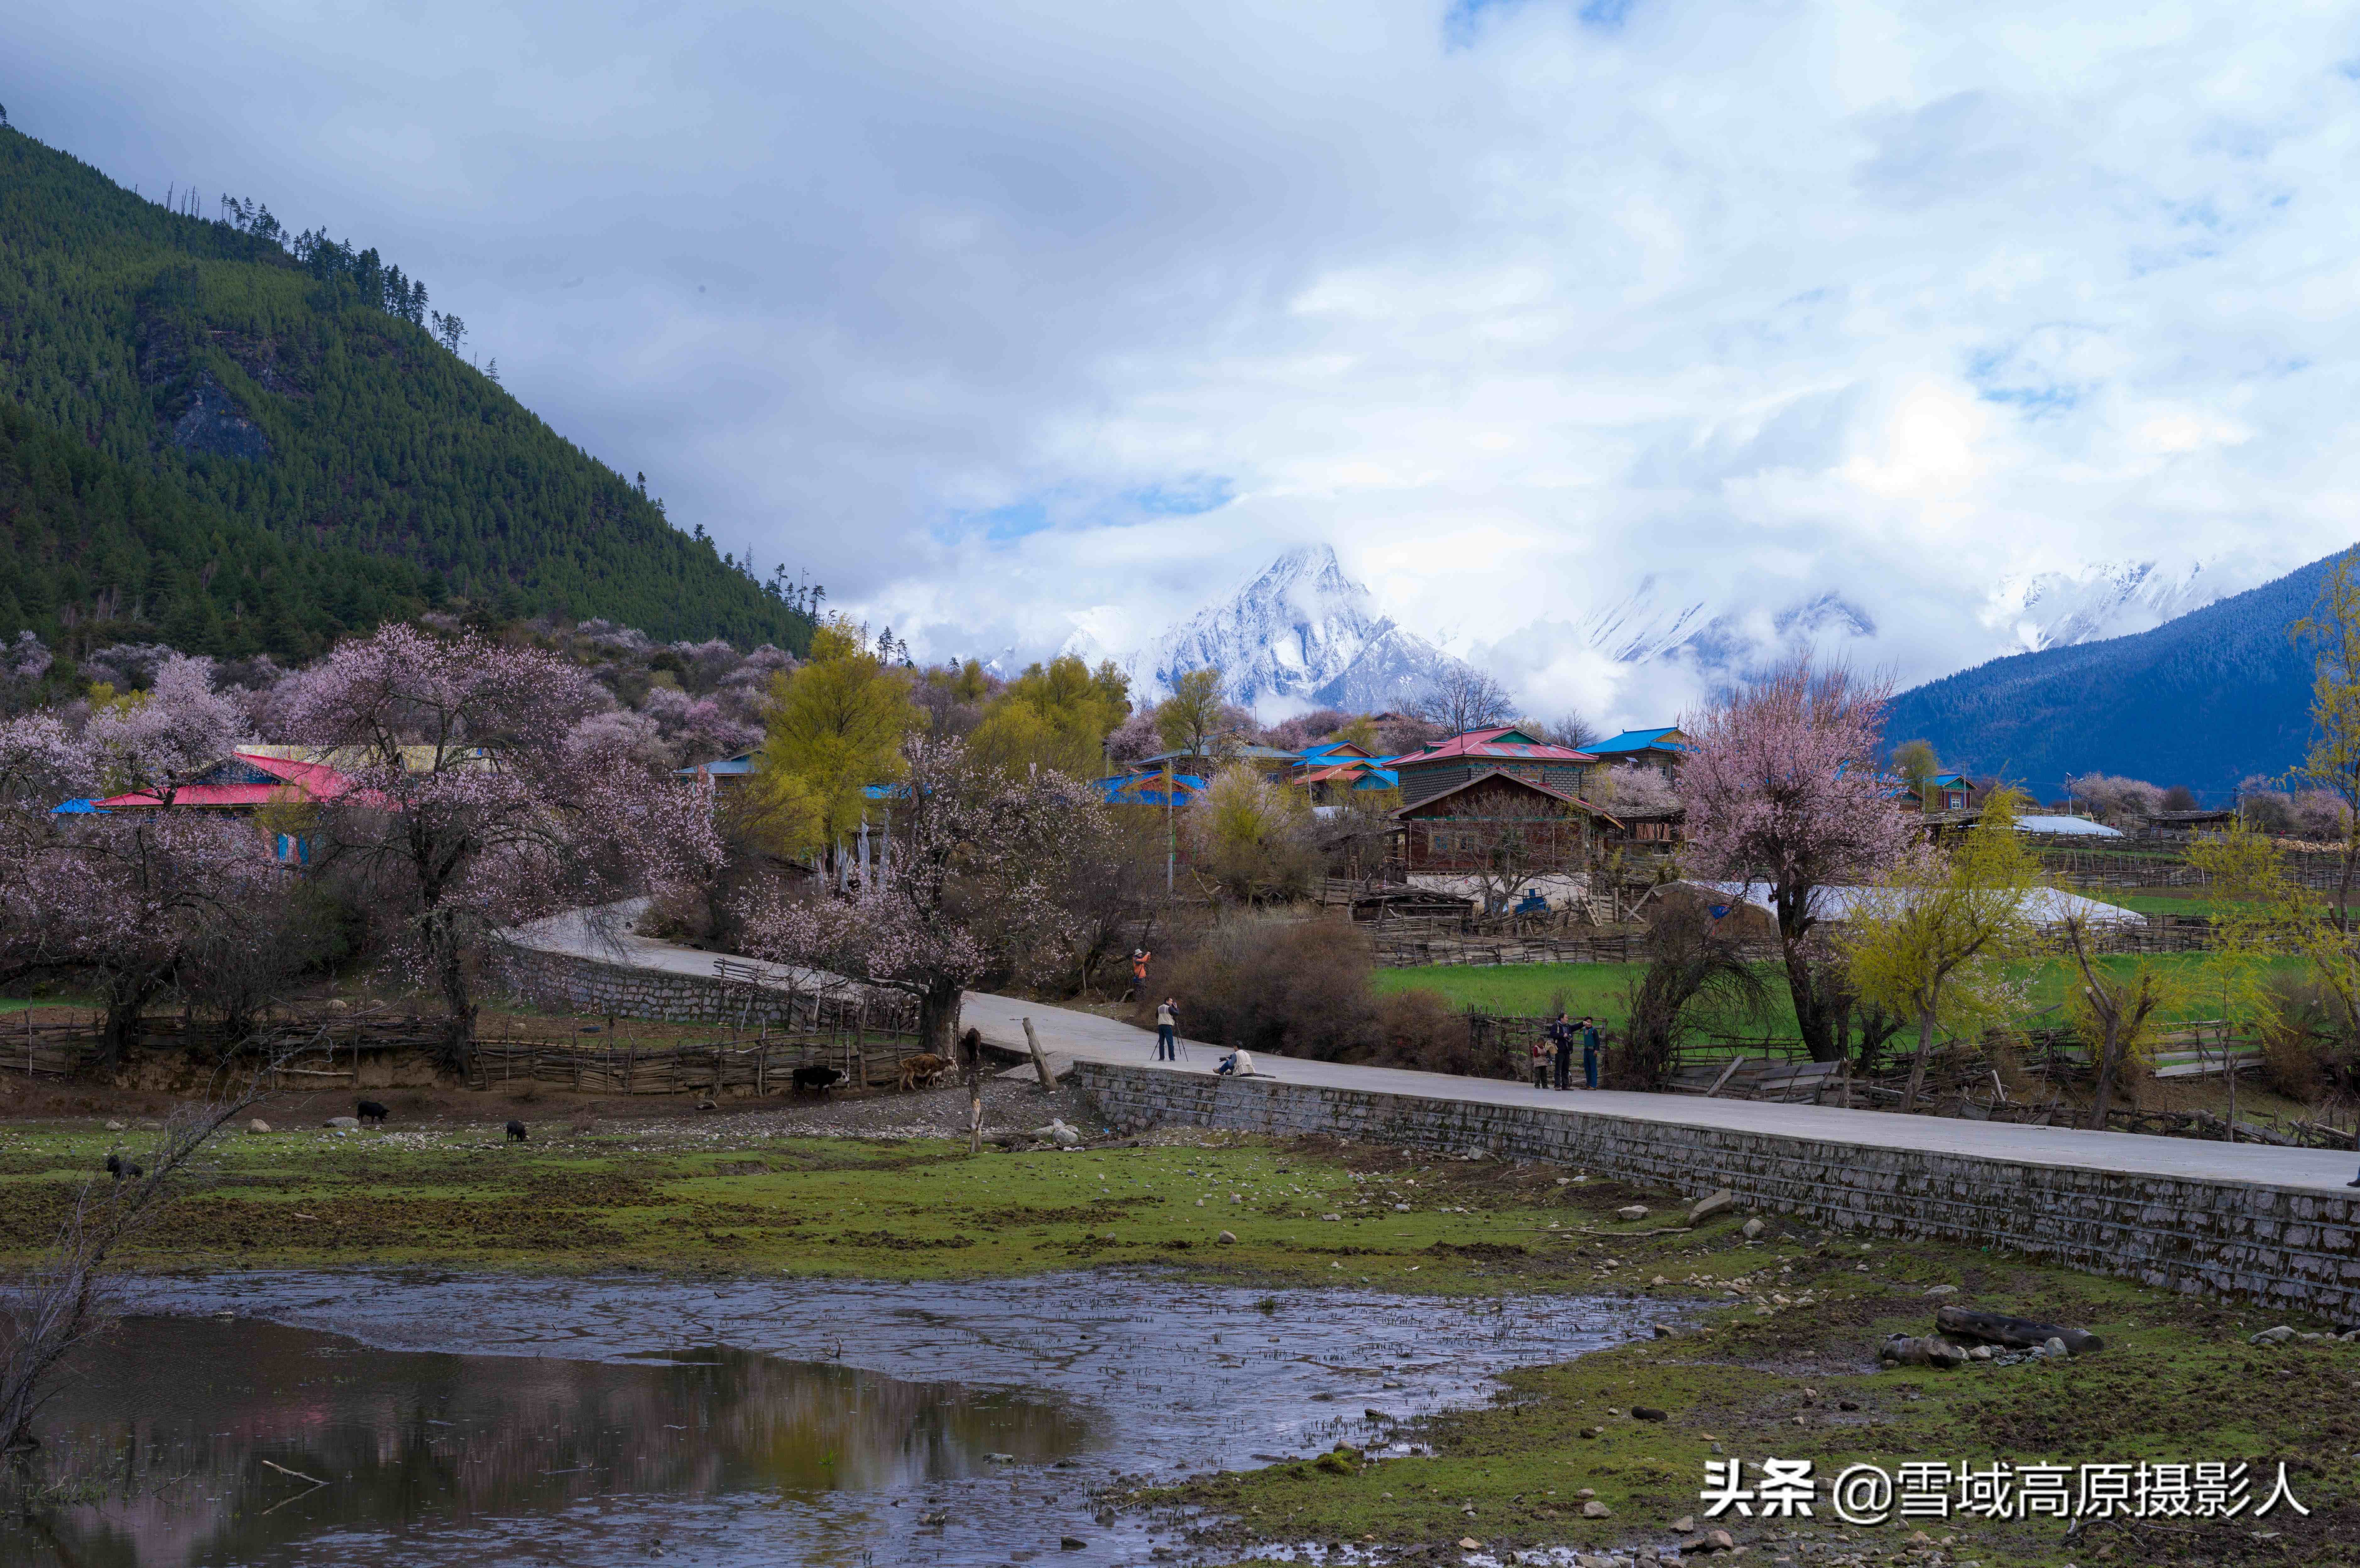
(1590, 1050)
(1139, 958)
(1560, 1035)
(1167, 1030)
(1540, 1061)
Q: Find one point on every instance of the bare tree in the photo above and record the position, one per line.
(1570, 729)
(70, 1296)
(1463, 698)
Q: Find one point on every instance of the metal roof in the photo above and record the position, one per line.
(309, 780)
(1488, 744)
(727, 766)
(1639, 740)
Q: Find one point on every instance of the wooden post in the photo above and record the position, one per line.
(1040, 1061)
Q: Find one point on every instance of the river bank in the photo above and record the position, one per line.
(1784, 1363)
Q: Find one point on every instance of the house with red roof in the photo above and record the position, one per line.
(1447, 764)
(241, 785)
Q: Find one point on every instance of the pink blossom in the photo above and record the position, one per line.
(977, 864)
(484, 799)
(1780, 787)
(175, 732)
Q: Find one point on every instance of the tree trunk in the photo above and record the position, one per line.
(2105, 1076)
(450, 975)
(1917, 1063)
(1814, 1016)
(127, 996)
(938, 1017)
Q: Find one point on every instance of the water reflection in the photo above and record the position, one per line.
(215, 1431)
(460, 1420)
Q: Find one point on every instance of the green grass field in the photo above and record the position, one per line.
(1531, 990)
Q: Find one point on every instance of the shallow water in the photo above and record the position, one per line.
(459, 1419)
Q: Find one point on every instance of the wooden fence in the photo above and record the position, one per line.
(764, 1066)
(863, 1043)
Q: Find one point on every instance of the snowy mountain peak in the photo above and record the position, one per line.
(1302, 634)
(2097, 600)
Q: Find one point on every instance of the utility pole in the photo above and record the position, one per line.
(1170, 833)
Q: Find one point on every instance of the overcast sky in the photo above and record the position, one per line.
(1002, 318)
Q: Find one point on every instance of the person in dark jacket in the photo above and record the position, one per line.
(1561, 1036)
(1590, 1050)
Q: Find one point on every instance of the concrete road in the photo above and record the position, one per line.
(1066, 1033)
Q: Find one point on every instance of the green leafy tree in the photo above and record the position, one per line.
(1932, 940)
(2332, 764)
(836, 726)
(1250, 837)
(1054, 716)
(1194, 719)
(2261, 914)
(1914, 764)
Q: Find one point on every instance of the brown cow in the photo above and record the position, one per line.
(923, 1072)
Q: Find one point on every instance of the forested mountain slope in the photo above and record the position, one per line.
(231, 391)
(2207, 700)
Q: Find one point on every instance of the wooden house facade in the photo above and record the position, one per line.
(1499, 817)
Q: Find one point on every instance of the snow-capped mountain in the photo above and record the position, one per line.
(1656, 621)
(2096, 601)
(1301, 634)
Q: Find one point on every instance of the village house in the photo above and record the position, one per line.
(1462, 759)
(241, 785)
(1662, 749)
(1491, 837)
(723, 773)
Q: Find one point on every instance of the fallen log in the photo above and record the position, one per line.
(2016, 1334)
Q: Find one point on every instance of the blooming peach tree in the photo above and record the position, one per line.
(481, 799)
(1781, 789)
(975, 890)
(142, 899)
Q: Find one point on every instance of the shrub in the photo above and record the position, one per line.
(1301, 988)
(2299, 1033)
(1251, 837)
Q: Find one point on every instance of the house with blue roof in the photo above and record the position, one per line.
(1662, 748)
(723, 772)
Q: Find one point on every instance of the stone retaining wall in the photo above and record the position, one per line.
(2287, 1246)
(588, 986)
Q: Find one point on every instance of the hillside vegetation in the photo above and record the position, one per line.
(270, 450)
(2221, 693)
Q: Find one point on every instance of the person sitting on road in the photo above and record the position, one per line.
(1238, 1062)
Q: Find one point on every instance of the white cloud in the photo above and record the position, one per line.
(957, 306)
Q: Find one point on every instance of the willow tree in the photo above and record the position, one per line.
(2118, 1009)
(1056, 715)
(1931, 940)
(2332, 764)
(834, 727)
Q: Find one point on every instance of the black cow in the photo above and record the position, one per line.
(816, 1079)
(370, 1111)
(516, 1132)
(118, 1168)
